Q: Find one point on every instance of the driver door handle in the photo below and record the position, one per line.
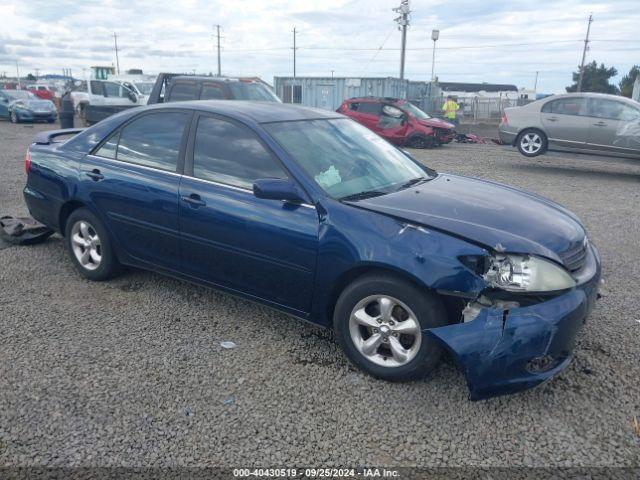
(194, 200)
(552, 119)
(94, 175)
(600, 124)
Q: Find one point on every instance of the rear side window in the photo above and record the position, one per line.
(566, 106)
(370, 108)
(151, 140)
(212, 91)
(229, 153)
(182, 91)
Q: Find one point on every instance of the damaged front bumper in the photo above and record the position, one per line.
(504, 351)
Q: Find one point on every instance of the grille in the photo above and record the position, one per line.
(574, 259)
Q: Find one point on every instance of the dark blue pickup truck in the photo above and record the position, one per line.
(308, 212)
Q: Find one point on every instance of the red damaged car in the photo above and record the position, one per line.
(398, 121)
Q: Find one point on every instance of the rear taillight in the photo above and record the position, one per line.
(504, 120)
(27, 162)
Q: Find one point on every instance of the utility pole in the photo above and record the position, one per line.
(332, 73)
(218, 47)
(115, 42)
(18, 75)
(37, 73)
(294, 52)
(403, 23)
(584, 53)
(535, 84)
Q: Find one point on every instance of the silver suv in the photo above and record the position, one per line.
(592, 122)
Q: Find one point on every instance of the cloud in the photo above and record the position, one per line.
(479, 41)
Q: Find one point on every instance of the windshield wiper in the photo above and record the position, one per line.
(363, 195)
(413, 181)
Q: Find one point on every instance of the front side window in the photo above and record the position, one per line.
(345, 158)
(113, 89)
(612, 110)
(566, 106)
(151, 140)
(229, 153)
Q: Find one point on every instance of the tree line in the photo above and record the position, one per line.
(596, 79)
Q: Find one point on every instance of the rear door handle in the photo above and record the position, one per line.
(194, 200)
(600, 124)
(94, 175)
(552, 119)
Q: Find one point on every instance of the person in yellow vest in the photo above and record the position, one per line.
(450, 109)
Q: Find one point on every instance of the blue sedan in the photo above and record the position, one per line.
(23, 106)
(308, 212)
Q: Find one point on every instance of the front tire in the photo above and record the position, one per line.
(532, 142)
(420, 141)
(14, 117)
(90, 247)
(379, 321)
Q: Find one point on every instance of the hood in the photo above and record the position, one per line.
(485, 213)
(36, 104)
(436, 123)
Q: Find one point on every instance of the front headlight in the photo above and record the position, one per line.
(525, 273)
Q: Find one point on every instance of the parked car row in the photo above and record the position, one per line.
(22, 105)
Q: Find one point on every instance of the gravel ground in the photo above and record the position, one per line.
(131, 372)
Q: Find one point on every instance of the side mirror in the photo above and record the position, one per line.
(132, 96)
(277, 189)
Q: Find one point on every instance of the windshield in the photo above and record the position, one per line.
(415, 111)
(144, 87)
(19, 94)
(252, 91)
(345, 158)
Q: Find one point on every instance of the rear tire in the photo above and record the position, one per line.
(379, 321)
(532, 142)
(90, 247)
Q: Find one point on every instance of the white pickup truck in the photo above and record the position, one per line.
(103, 98)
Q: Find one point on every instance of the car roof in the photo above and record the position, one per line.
(260, 112)
(374, 99)
(591, 95)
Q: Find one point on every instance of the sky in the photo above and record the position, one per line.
(480, 41)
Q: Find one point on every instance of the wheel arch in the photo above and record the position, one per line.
(351, 275)
(65, 211)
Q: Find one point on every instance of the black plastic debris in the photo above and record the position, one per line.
(23, 230)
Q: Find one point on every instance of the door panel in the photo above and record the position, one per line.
(140, 207)
(614, 126)
(133, 183)
(565, 122)
(265, 248)
(393, 124)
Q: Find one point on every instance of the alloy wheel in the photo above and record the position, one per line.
(14, 117)
(385, 331)
(86, 245)
(531, 143)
